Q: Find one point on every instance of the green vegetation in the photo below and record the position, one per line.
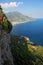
(4, 22)
(25, 52)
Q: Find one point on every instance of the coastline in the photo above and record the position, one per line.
(14, 23)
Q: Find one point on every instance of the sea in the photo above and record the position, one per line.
(32, 29)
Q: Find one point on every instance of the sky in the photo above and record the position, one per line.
(31, 8)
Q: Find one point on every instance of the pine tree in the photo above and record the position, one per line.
(6, 25)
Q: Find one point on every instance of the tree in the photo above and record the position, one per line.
(6, 25)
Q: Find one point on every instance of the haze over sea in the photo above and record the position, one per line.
(33, 30)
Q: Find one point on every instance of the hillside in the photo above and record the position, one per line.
(15, 50)
(18, 17)
(26, 52)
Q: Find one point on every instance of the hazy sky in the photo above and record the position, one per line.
(33, 8)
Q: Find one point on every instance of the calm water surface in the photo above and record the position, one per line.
(33, 30)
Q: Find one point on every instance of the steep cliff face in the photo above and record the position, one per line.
(5, 51)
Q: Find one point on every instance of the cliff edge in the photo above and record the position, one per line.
(5, 50)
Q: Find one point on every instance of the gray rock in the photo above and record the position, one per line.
(5, 50)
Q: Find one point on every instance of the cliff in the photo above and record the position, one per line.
(16, 50)
(6, 57)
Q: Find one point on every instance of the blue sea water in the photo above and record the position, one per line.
(33, 30)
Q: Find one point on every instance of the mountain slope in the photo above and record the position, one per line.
(17, 17)
(26, 52)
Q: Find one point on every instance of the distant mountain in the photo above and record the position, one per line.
(17, 17)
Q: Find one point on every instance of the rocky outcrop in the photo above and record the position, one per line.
(5, 50)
